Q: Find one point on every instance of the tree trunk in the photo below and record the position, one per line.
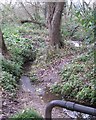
(3, 48)
(54, 22)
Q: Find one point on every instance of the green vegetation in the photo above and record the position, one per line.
(21, 50)
(26, 43)
(78, 80)
(12, 67)
(33, 77)
(8, 82)
(29, 42)
(28, 114)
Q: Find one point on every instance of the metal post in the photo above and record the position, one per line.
(68, 105)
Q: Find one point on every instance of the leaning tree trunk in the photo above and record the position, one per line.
(54, 22)
(3, 48)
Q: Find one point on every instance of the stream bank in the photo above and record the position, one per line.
(36, 95)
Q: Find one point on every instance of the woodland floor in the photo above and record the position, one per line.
(37, 95)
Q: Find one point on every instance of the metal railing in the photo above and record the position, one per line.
(68, 105)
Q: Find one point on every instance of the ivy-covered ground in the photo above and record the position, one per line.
(78, 81)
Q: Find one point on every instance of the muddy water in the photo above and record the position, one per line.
(26, 84)
(44, 94)
(38, 98)
(49, 96)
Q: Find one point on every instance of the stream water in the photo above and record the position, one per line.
(40, 96)
(26, 84)
(43, 93)
(46, 95)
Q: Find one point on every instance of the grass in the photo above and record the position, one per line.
(28, 114)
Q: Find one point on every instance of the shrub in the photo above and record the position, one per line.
(16, 55)
(11, 67)
(78, 80)
(67, 88)
(8, 82)
(56, 88)
(28, 53)
(22, 50)
(28, 114)
(84, 94)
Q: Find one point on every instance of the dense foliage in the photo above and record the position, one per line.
(78, 80)
(21, 50)
(28, 42)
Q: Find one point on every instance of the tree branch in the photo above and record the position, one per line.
(32, 19)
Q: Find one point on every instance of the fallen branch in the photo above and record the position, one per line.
(31, 21)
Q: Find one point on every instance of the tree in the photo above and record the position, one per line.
(30, 16)
(54, 15)
(3, 48)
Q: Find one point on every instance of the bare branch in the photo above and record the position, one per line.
(32, 19)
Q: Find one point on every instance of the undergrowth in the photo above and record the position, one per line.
(21, 49)
(78, 80)
(26, 43)
(29, 114)
(8, 82)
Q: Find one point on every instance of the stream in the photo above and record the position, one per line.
(43, 93)
(37, 95)
(46, 96)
